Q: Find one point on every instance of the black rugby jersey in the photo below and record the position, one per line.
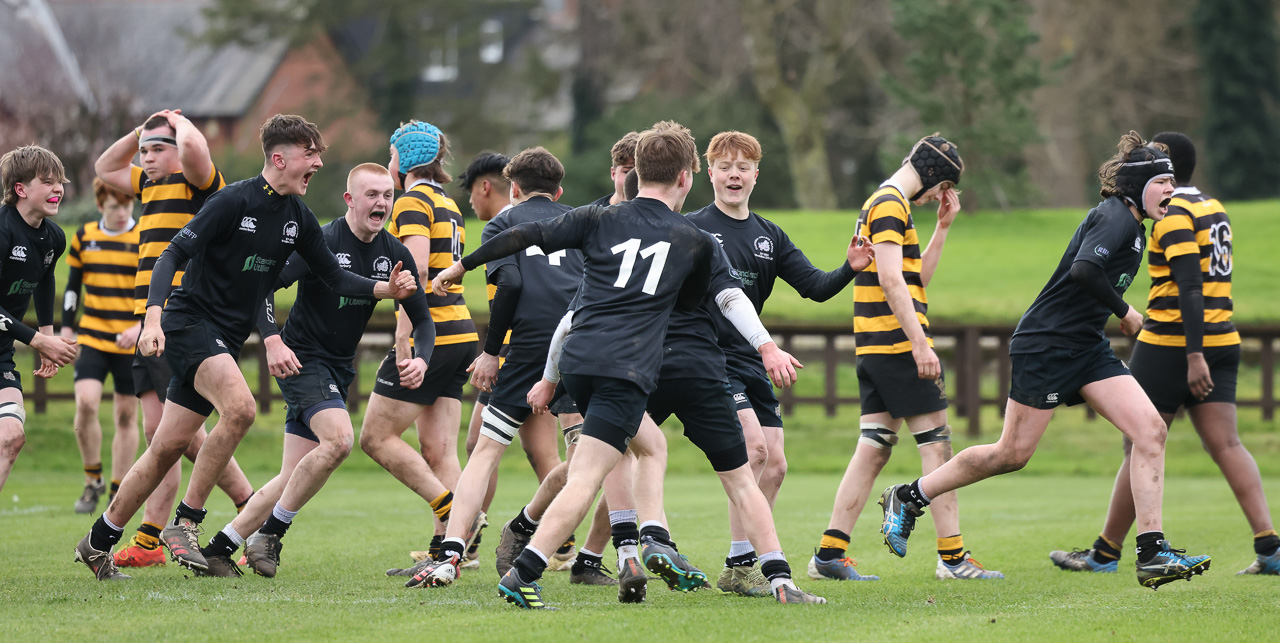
(27, 258)
(106, 263)
(1065, 316)
(759, 253)
(327, 325)
(690, 348)
(426, 210)
(237, 245)
(641, 260)
(1196, 224)
(603, 201)
(549, 281)
(167, 205)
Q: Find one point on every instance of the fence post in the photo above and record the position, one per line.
(972, 373)
(41, 392)
(1268, 377)
(264, 379)
(787, 399)
(829, 367)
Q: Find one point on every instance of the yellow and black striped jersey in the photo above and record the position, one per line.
(167, 206)
(1195, 224)
(886, 218)
(425, 210)
(107, 263)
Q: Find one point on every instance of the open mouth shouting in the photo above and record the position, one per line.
(1164, 207)
(378, 217)
(306, 178)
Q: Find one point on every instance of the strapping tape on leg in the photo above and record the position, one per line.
(13, 410)
(571, 434)
(878, 435)
(498, 426)
(940, 434)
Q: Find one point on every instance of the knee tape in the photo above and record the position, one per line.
(498, 426)
(13, 410)
(940, 434)
(571, 434)
(878, 435)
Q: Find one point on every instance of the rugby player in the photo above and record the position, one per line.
(623, 155)
(1061, 355)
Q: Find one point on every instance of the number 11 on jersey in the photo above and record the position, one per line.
(629, 249)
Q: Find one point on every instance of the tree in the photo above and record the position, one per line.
(969, 74)
(1237, 43)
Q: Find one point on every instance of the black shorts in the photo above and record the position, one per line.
(890, 383)
(319, 385)
(612, 407)
(1055, 376)
(151, 374)
(511, 391)
(482, 398)
(1162, 373)
(94, 364)
(446, 373)
(751, 389)
(706, 408)
(188, 342)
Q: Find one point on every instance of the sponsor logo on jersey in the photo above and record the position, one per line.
(343, 302)
(93, 246)
(747, 277)
(386, 383)
(739, 398)
(22, 287)
(19, 253)
(344, 260)
(1124, 281)
(763, 247)
(48, 258)
(1100, 251)
(219, 343)
(4, 323)
(255, 263)
(382, 267)
(187, 232)
(1137, 243)
(290, 232)
(249, 224)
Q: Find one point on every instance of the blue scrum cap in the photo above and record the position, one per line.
(417, 144)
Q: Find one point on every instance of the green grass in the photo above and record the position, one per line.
(331, 584)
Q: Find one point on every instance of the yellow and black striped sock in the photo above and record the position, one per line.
(568, 544)
(833, 545)
(1266, 542)
(115, 486)
(1106, 551)
(148, 536)
(951, 549)
(241, 505)
(442, 504)
(94, 472)
(433, 550)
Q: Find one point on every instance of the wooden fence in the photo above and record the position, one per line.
(975, 360)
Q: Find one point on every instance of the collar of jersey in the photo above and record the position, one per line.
(730, 221)
(426, 182)
(102, 227)
(890, 183)
(269, 190)
(1189, 189)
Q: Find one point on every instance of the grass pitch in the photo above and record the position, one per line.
(331, 583)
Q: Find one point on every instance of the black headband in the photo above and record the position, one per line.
(1142, 166)
(157, 138)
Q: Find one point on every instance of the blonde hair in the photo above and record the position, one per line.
(728, 144)
(371, 168)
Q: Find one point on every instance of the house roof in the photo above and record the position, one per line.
(142, 52)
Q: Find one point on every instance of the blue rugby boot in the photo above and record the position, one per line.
(1082, 560)
(523, 595)
(966, 569)
(838, 569)
(1268, 565)
(674, 569)
(899, 520)
(1169, 565)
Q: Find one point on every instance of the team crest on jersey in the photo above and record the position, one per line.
(219, 343)
(290, 232)
(48, 258)
(8, 375)
(763, 248)
(1137, 243)
(333, 388)
(249, 224)
(19, 253)
(344, 260)
(92, 247)
(382, 267)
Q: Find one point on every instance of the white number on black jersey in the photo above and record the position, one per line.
(553, 258)
(629, 249)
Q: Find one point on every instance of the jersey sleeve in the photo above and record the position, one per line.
(887, 222)
(73, 254)
(136, 179)
(800, 273)
(491, 230)
(569, 229)
(1105, 237)
(1175, 235)
(412, 217)
(721, 273)
(214, 183)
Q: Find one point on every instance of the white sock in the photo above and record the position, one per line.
(624, 515)
(112, 525)
(230, 532)
(653, 523)
(462, 544)
(628, 551)
(740, 548)
(282, 514)
(525, 511)
(587, 552)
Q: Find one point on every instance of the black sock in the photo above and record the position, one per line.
(625, 533)
(911, 493)
(833, 546)
(585, 560)
(1103, 552)
(184, 511)
(523, 525)
(745, 560)
(115, 486)
(657, 533)
(240, 505)
(274, 526)
(475, 544)
(775, 569)
(568, 545)
(1150, 544)
(433, 550)
(1266, 545)
(450, 547)
(219, 545)
(102, 537)
(529, 566)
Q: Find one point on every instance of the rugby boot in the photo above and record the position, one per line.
(262, 553)
(788, 595)
(135, 555)
(744, 580)
(183, 542)
(521, 594)
(838, 569)
(88, 501)
(966, 569)
(899, 520)
(631, 581)
(1082, 560)
(220, 567)
(1169, 565)
(588, 573)
(99, 562)
(510, 544)
(471, 560)
(473, 530)
(437, 573)
(562, 561)
(674, 569)
(1267, 565)
(419, 555)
